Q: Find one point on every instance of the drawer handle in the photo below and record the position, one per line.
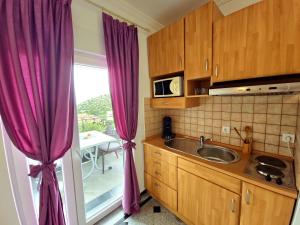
(156, 185)
(248, 193)
(233, 205)
(155, 162)
(158, 153)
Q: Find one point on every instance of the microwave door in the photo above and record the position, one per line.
(166, 87)
(158, 89)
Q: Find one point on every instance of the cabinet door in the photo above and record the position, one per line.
(263, 207)
(203, 203)
(273, 34)
(198, 43)
(258, 41)
(166, 50)
(229, 40)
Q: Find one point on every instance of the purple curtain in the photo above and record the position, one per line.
(36, 89)
(122, 53)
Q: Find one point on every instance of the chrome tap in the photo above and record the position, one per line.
(202, 140)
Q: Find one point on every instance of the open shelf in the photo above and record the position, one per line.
(197, 87)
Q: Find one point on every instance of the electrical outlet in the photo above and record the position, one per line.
(225, 130)
(288, 138)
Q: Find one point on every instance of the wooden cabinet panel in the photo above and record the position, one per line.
(198, 42)
(162, 171)
(218, 178)
(166, 50)
(165, 172)
(263, 207)
(258, 41)
(160, 154)
(203, 203)
(161, 192)
(273, 34)
(162, 165)
(174, 103)
(229, 41)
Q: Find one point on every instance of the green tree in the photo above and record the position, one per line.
(98, 106)
(92, 113)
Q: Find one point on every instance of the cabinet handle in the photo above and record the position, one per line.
(180, 61)
(158, 153)
(206, 65)
(248, 197)
(156, 185)
(233, 205)
(216, 71)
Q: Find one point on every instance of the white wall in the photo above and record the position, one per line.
(144, 91)
(88, 29)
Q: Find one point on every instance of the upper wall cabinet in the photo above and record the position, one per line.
(166, 50)
(198, 43)
(258, 41)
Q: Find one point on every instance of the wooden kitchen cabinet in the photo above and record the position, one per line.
(229, 40)
(264, 207)
(258, 41)
(161, 165)
(161, 175)
(166, 50)
(161, 192)
(198, 42)
(203, 203)
(273, 34)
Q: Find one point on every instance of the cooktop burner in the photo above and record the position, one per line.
(270, 161)
(273, 170)
(269, 171)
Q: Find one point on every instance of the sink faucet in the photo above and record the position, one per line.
(202, 140)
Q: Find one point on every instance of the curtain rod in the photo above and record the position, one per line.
(116, 15)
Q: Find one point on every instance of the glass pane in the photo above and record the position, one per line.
(100, 147)
(35, 184)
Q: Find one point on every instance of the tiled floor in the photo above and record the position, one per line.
(145, 217)
(148, 217)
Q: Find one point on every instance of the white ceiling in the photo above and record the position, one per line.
(167, 11)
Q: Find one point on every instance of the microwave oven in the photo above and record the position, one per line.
(169, 87)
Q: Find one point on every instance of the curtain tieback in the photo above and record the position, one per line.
(47, 170)
(129, 145)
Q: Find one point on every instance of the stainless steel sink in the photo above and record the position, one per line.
(208, 152)
(218, 154)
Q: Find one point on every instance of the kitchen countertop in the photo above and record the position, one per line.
(235, 169)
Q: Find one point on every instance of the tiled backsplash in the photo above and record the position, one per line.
(153, 119)
(269, 116)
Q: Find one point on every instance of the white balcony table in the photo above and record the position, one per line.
(89, 142)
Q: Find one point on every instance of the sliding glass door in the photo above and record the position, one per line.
(90, 175)
(99, 151)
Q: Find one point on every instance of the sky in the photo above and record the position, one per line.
(90, 82)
